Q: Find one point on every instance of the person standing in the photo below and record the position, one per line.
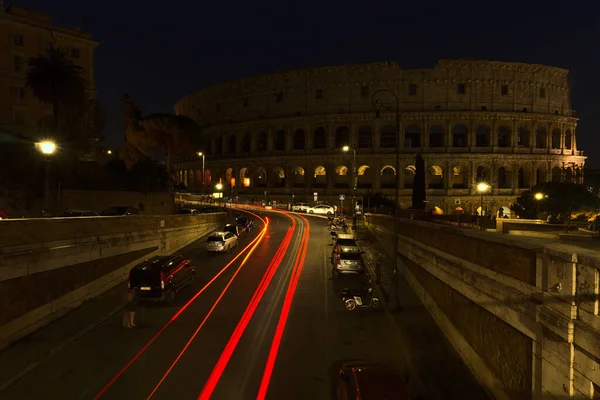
(130, 308)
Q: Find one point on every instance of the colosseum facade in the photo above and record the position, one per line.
(281, 135)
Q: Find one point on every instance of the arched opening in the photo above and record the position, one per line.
(320, 176)
(460, 136)
(232, 144)
(320, 138)
(482, 136)
(280, 140)
(437, 211)
(246, 177)
(540, 137)
(278, 177)
(556, 175)
(523, 137)
(482, 174)
(569, 175)
(556, 138)
(436, 136)
(299, 139)
(503, 179)
(568, 139)
(246, 143)
(342, 137)
(436, 177)
(365, 177)
(521, 184)
(412, 136)
(504, 212)
(459, 180)
(409, 176)
(219, 145)
(388, 177)
(503, 137)
(365, 137)
(261, 177)
(342, 177)
(387, 137)
(262, 141)
(228, 175)
(299, 177)
(207, 177)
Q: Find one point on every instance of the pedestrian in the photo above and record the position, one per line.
(129, 311)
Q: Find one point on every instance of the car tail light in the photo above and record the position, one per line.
(162, 281)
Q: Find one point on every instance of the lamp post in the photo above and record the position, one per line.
(47, 148)
(482, 187)
(392, 104)
(539, 197)
(354, 181)
(201, 154)
(219, 187)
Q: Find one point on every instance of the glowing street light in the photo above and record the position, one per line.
(482, 187)
(539, 196)
(47, 148)
(109, 152)
(201, 154)
(219, 186)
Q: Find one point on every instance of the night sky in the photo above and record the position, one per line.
(159, 51)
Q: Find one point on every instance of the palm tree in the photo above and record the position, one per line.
(55, 79)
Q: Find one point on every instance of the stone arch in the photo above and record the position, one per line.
(342, 137)
(523, 137)
(503, 178)
(388, 177)
(482, 136)
(198, 177)
(246, 143)
(459, 177)
(555, 142)
(568, 139)
(556, 175)
(299, 139)
(342, 177)
(232, 144)
(436, 177)
(436, 136)
(262, 142)
(504, 136)
(569, 175)
(278, 177)
(260, 177)
(387, 137)
(541, 137)
(460, 136)
(320, 138)
(412, 136)
(207, 177)
(229, 175)
(320, 176)
(409, 176)
(365, 137)
(365, 178)
(280, 140)
(299, 176)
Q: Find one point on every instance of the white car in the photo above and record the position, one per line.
(321, 209)
(300, 207)
(221, 241)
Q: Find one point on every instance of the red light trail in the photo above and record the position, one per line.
(184, 307)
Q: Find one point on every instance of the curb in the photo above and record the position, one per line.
(25, 371)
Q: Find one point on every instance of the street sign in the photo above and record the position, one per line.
(315, 196)
(342, 197)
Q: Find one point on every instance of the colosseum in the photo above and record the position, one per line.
(282, 136)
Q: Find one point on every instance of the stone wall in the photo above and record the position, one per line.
(50, 266)
(160, 203)
(525, 322)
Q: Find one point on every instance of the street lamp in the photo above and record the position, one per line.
(219, 187)
(201, 154)
(47, 148)
(392, 104)
(539, 197)
(482, 187)
(354, 181)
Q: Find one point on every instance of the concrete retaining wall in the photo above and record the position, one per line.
(49, 266)
(160, 203)
(525, 322)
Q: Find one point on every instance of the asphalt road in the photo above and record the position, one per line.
(319, 335)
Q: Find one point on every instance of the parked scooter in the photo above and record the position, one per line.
(358, 298)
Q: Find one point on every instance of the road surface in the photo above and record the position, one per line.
(219, 346)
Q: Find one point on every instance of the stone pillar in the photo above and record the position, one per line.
(425, 134)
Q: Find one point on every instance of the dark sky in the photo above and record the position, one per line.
(160, 51)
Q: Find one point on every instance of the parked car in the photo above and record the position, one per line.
(78, 213)
(3, 215)
(321, 209)
(345, 243)
(347, 263)
(116, 211)
(359, 380)
(221, 241)
(300, 207)
(186, 211)
(161, 277)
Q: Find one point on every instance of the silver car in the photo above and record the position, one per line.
(221, 241)
(348, 263)
(345, 243)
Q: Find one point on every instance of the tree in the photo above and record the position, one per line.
(559, 198)
(55, 79)
(419, 190)
(138, 147)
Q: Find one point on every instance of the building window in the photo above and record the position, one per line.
(18, 63)
(542, 93)
(461, 88)
(75, 52)
(525, 109)
(245, 102)
(437, 108)
(483, 108)
(364, 92)
(279, 97)
(47, 45)
(19, 93)
(18, 40)
(412, 89)
(319, 94)
(504, 90)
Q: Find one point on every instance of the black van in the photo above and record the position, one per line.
(161, 277)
